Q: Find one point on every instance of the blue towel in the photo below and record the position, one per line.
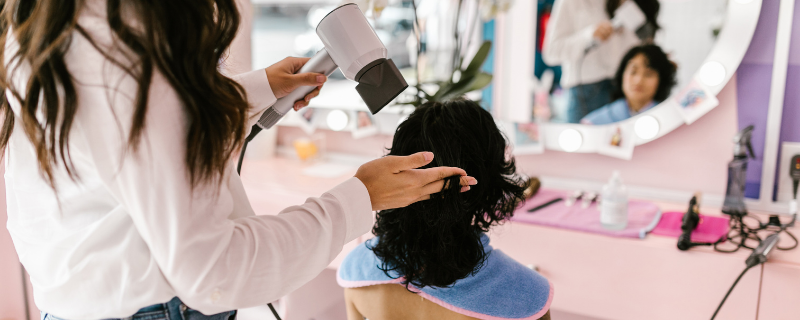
(502, 289)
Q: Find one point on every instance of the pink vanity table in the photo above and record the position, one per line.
(595, 276)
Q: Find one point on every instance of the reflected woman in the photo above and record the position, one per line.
(581, 38)
(645, 77)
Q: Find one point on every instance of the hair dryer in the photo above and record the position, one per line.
(352, 46)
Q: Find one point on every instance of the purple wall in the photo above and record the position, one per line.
(753, 84)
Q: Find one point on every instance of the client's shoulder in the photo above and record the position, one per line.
(361, 268)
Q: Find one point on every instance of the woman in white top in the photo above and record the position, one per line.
(118, 133)
(581, 38)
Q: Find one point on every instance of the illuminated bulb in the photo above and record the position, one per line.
(712, 73)
(337, 120)
(570, 140)
(646, 127)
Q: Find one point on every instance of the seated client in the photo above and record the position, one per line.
(432, 259)
(644, 78)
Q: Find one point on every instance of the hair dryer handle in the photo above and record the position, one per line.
(319, 63)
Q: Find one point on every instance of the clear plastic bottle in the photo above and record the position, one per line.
(614, 206)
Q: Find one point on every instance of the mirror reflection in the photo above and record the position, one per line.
(603, 61)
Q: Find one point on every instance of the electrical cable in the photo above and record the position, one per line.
(253, 132)
(729, 291)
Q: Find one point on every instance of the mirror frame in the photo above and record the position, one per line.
(513, 88)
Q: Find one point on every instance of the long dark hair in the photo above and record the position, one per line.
(182, 39)
(650, 9)
(656, 60)
(437, 241)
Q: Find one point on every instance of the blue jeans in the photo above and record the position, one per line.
(172, 310)
(585, 98)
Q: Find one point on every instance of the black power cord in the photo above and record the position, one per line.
(765, 245)
(253, 132)
(729, 291)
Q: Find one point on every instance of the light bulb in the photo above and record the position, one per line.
(646, 127)
(570, 140)
(337, 120)
(712, 73)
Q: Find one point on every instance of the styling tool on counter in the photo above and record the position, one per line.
(545, 205)
(691, 220)
(352, 46)
(574, 197)
(758, 257)
(614, 209)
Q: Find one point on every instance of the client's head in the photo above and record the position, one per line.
(645, 74)
(436, 242)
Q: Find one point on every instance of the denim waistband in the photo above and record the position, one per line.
(172, 310)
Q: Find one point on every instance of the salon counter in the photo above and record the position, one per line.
(595, 276)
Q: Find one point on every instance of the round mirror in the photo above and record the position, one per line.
(606, 64)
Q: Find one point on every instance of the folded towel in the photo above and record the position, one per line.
(642, 215)
(502, 289)
(709, 229)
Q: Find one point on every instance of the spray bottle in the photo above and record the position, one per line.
(737, 173)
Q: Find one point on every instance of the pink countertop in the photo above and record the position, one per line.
(594, 275)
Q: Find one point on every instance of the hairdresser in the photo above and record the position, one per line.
(581, 38)
(119, 133)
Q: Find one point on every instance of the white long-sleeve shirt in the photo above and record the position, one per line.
(570, 32)
(131, 232)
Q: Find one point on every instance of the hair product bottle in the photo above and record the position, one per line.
(614, 205)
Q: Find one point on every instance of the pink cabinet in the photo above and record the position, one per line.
(780, 292)
(614, 278)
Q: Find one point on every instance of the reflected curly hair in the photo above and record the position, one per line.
(437, 242)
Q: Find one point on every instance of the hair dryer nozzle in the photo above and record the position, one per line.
(269, 118)
(379, 83)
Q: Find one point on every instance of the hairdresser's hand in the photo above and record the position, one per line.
(283, 80)
(603, 31)
(394, 181)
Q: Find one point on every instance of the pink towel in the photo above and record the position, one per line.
(710, 228)
(642, 216)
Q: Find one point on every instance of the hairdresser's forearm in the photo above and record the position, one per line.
(259, 94)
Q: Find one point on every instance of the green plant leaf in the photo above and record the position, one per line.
(479, 81)
(477, 61)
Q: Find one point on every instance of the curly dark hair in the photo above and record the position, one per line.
(656, 60)
(437, 241)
